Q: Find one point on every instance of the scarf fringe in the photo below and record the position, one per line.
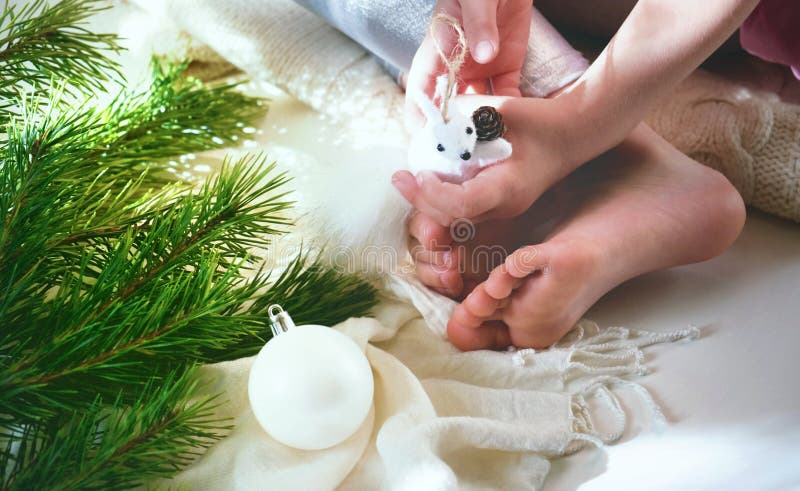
(599, 364)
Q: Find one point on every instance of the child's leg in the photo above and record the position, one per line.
(755, 73)
(599, 18)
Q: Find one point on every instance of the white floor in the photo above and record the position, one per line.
(732, 396)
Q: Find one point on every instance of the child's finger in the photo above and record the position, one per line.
(470, 102)
(405, 182)
(474, 87)
(506, 84)
(420, 254)
(447, 281)
(480, 29)
(430, 234)
(475, 197)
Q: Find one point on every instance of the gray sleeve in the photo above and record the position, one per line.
(392, 30)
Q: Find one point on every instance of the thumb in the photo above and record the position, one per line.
(480, 28)
(468, 103)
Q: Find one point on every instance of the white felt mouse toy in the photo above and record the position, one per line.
(451, 143)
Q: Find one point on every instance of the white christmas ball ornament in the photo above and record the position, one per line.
(310, 387)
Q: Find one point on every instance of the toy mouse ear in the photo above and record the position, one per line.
(441, 88)
(429, 110)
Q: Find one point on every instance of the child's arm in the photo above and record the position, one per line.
(656, 47)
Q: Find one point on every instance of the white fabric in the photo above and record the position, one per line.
(442, 419)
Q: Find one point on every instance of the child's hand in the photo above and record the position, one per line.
(497, 35)
(541, 157)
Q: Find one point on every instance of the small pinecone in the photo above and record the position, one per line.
(488, 123)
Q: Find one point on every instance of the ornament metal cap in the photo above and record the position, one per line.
(279, 320)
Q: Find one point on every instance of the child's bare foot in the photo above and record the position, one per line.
(454, 260)
(641, 207)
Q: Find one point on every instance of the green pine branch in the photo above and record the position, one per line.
(159, 296)
(114, 445)
(103, 154)
(173, 116)
(116, 280)
(163, 296)
(41, 42)
(312, 293)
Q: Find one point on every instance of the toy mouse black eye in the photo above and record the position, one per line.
(440, 148)
(469, 130)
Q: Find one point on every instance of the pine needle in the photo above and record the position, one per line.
(114, 445)
(40, 43)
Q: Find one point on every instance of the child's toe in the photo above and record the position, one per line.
(463, 318)
(429, 233)
(526, 260)
(500, 284)
(489, 335)
(479, 303)
(446, 281)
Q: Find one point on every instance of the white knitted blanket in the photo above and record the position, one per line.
(441, 419)
(749, 135)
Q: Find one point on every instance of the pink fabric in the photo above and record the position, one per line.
(772, 32)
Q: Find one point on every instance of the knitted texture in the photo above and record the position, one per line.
(296, 51)
(748, 135)
(207, 64)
